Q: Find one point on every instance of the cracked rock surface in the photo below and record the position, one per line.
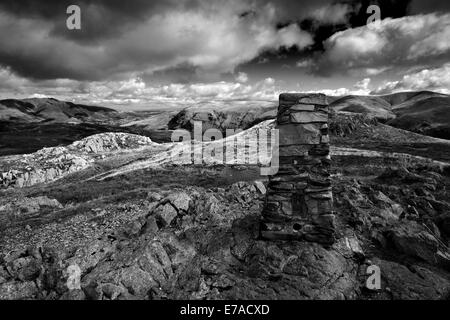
(204, 243)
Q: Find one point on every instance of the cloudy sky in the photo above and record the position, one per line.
(140, 54)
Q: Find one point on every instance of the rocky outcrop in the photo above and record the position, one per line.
(148, 257)
(43, 166)
(299, 199)
(413, 282)
(220, 120)
(413, 239)
(210, 248)
(107, 142)
(49, 164)
(18, 206)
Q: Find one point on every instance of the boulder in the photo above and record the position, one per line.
(412, 239)
(24, 268)
(180, 201)
(25, 206)
(443, 222)
(389, 208)
(165, 214)
(412, 283)
(260, 186)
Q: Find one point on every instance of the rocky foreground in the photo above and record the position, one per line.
(180, 231)
(203, 243)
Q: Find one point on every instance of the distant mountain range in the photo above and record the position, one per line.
(30, 124)
(49, 109)
(423, 112)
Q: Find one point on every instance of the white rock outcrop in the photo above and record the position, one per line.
(49, 164)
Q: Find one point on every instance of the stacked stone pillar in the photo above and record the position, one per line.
(299, 202)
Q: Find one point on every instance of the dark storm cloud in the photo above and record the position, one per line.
(322, 19)
(173, 40)
(101, 18)
(45, 49)
(347, 46)
(130, 9)
(428, 6)
(138, 36)
(183, 73)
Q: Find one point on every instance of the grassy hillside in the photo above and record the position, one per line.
(49, 109)
(371, 106)
(426, 115)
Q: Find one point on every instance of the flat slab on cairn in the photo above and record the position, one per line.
(299, 201)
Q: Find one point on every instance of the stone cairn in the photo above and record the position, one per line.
(299, 200)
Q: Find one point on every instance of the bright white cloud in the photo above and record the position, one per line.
(242, 77)
(134, 92)
(332, 14)
(393, 43)
(359, 88)
(9, 80)
(363, 84)
(305, 63)
(437, 79)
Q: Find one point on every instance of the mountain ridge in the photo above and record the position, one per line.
(51, 109)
